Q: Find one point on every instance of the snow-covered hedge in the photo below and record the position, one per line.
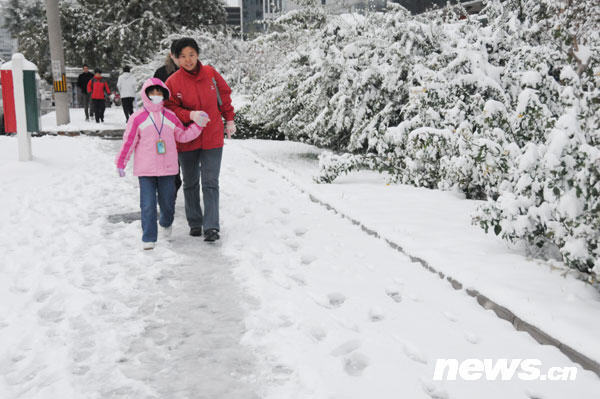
(502, 106)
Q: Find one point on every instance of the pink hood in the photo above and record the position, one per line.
(148, 104)
(142, 134)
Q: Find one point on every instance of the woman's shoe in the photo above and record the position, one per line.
(211, 235)
(196, 231)
(148, 245)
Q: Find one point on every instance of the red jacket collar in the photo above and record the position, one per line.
(197, 73)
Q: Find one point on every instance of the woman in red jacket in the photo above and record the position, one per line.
(197, 86)
(97, 86)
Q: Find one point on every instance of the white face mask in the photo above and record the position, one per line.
(156, 99)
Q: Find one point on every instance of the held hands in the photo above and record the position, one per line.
(230, 129)
(121, 172)
(200, 117)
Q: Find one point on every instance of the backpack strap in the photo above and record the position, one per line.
(219, 100)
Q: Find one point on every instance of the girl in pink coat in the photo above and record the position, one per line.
(152, 133)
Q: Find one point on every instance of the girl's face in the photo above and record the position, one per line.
(155, 92)
(188, 58)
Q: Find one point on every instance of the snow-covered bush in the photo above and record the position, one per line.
(551, 195)
(480, 104)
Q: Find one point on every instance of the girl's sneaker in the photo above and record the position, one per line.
(148, 245)
(166, 232)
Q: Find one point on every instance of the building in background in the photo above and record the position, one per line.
(248, 14)
(420, 6)
(8, 45)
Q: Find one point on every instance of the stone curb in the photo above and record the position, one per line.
(500, 311)
(109, 134)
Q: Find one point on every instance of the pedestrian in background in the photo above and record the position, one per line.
(82, 83)
(97, 86)
(171, 65)
(127, 87)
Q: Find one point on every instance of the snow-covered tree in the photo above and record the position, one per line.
(105, 33)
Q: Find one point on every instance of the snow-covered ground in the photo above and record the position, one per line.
(114, 119)
(436, 226)
(293, 302)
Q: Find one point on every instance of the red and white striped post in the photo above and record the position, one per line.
(20, 101)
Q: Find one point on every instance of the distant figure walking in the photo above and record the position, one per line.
(171, 65)
(97, 86)
(127, 85)
(82, 83)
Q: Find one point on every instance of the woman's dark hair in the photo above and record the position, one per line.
(97, 70)
(164, 91)
(126, 69)
(183, 43)
(173, 46)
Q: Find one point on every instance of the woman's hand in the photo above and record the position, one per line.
(230, 129)
(121, 172)
(200, 117)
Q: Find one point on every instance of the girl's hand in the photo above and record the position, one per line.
(230, 129)
(121, 172)
(200, 117)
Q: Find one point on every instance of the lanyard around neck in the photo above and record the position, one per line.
(161, 124)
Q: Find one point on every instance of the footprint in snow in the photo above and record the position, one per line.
(451, 316)
(282, 369)
(300, 231)
(432, 390)
(307, 259)
(51, 315)
(346, 348)
(251, 180)
(272, 192)
(317, 332)
(414, 297)
(281, 280)
(413, 352)
(285, 211)
(283, 220)
(534, 395)
(394, 294)
(471, 337)
(376, 314)
(336, 299)
(297, 278)
(80, 370)
(293, 244)
(355, 364)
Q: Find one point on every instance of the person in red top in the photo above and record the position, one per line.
(97, 86)
(197, 86)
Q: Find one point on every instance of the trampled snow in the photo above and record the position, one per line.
(293, 302)
(114, 119)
